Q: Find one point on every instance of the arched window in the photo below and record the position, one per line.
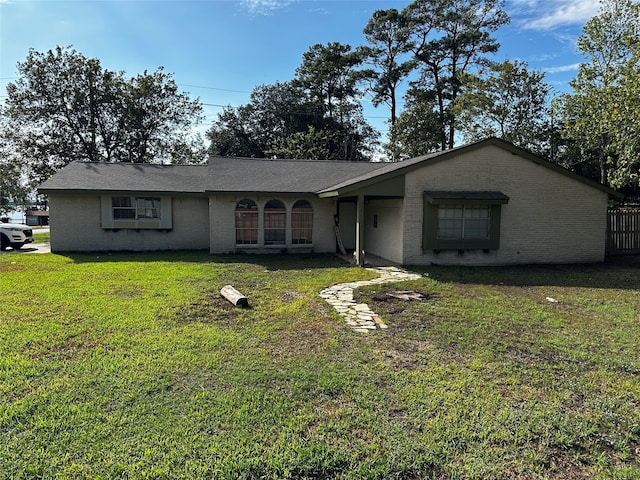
(246, 222)
(275, 223)
(302, 223)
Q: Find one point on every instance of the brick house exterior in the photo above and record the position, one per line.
(486, 203)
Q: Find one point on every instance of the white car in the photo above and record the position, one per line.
(14, 235)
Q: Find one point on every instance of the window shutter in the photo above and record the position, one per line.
(106, 211)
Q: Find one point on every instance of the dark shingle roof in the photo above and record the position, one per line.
(223, 174)
(109, 177)
(284, 176)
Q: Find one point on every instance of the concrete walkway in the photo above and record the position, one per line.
(358, 315)
(37, 248)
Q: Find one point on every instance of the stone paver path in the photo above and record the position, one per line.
(358, 315)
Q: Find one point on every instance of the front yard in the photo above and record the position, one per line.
(132, 366)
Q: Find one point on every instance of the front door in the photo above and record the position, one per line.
(347, 218)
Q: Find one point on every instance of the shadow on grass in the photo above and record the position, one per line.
(615, 273)
(618, 272)
(273, 262)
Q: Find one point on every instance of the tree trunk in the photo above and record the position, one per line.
(234, 296)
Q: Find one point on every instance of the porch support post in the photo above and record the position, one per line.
(360, 230)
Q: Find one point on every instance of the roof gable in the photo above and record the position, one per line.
(403, 167)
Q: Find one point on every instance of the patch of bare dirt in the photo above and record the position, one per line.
(65, 350)
(391, 302)
(213, 309)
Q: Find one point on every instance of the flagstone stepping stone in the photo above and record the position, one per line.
(359, 316)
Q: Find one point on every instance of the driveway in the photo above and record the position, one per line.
(33, 248)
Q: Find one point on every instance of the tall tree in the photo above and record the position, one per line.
(565, 151)
(316, 115)
(66, 107)
(389, 44)
(329, 76)
(388, 35)
(625, 117)
(12, 191)
(510, 102)
(235, 134)
(157, 117)
(601, 114)
(451, 38)
(416, 131)
(282, 121)
(274, 112)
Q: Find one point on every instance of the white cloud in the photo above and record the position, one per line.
(562, 68)
(264, 7)
(525, 3)
(549, 14)
(542, 57)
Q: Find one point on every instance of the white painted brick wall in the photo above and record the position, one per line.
(76, 226)
(386, 240)
(550, 218)
(223, 229)
(198, 223)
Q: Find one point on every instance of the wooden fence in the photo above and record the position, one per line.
(623, 231)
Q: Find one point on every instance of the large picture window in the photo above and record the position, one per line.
(459, 220)
(302, 223)
(275, 223)
(246, 222)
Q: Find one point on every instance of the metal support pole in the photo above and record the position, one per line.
(360, 230)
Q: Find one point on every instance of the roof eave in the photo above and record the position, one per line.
(329, 194)
(79, 191)
(336, 191)
(258, 192)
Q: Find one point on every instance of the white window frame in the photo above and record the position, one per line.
(272, 231)
(241, 229)
(301, 211)
(460, 223)
(159, 219)
(434, 240)
(140, 208)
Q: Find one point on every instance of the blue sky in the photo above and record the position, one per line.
(220, 50)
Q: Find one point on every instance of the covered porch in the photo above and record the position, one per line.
(369, 221)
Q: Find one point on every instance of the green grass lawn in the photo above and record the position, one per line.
(132, 366)
(41, 237)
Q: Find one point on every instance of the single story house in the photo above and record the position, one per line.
(37, 218)
(485, 203)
